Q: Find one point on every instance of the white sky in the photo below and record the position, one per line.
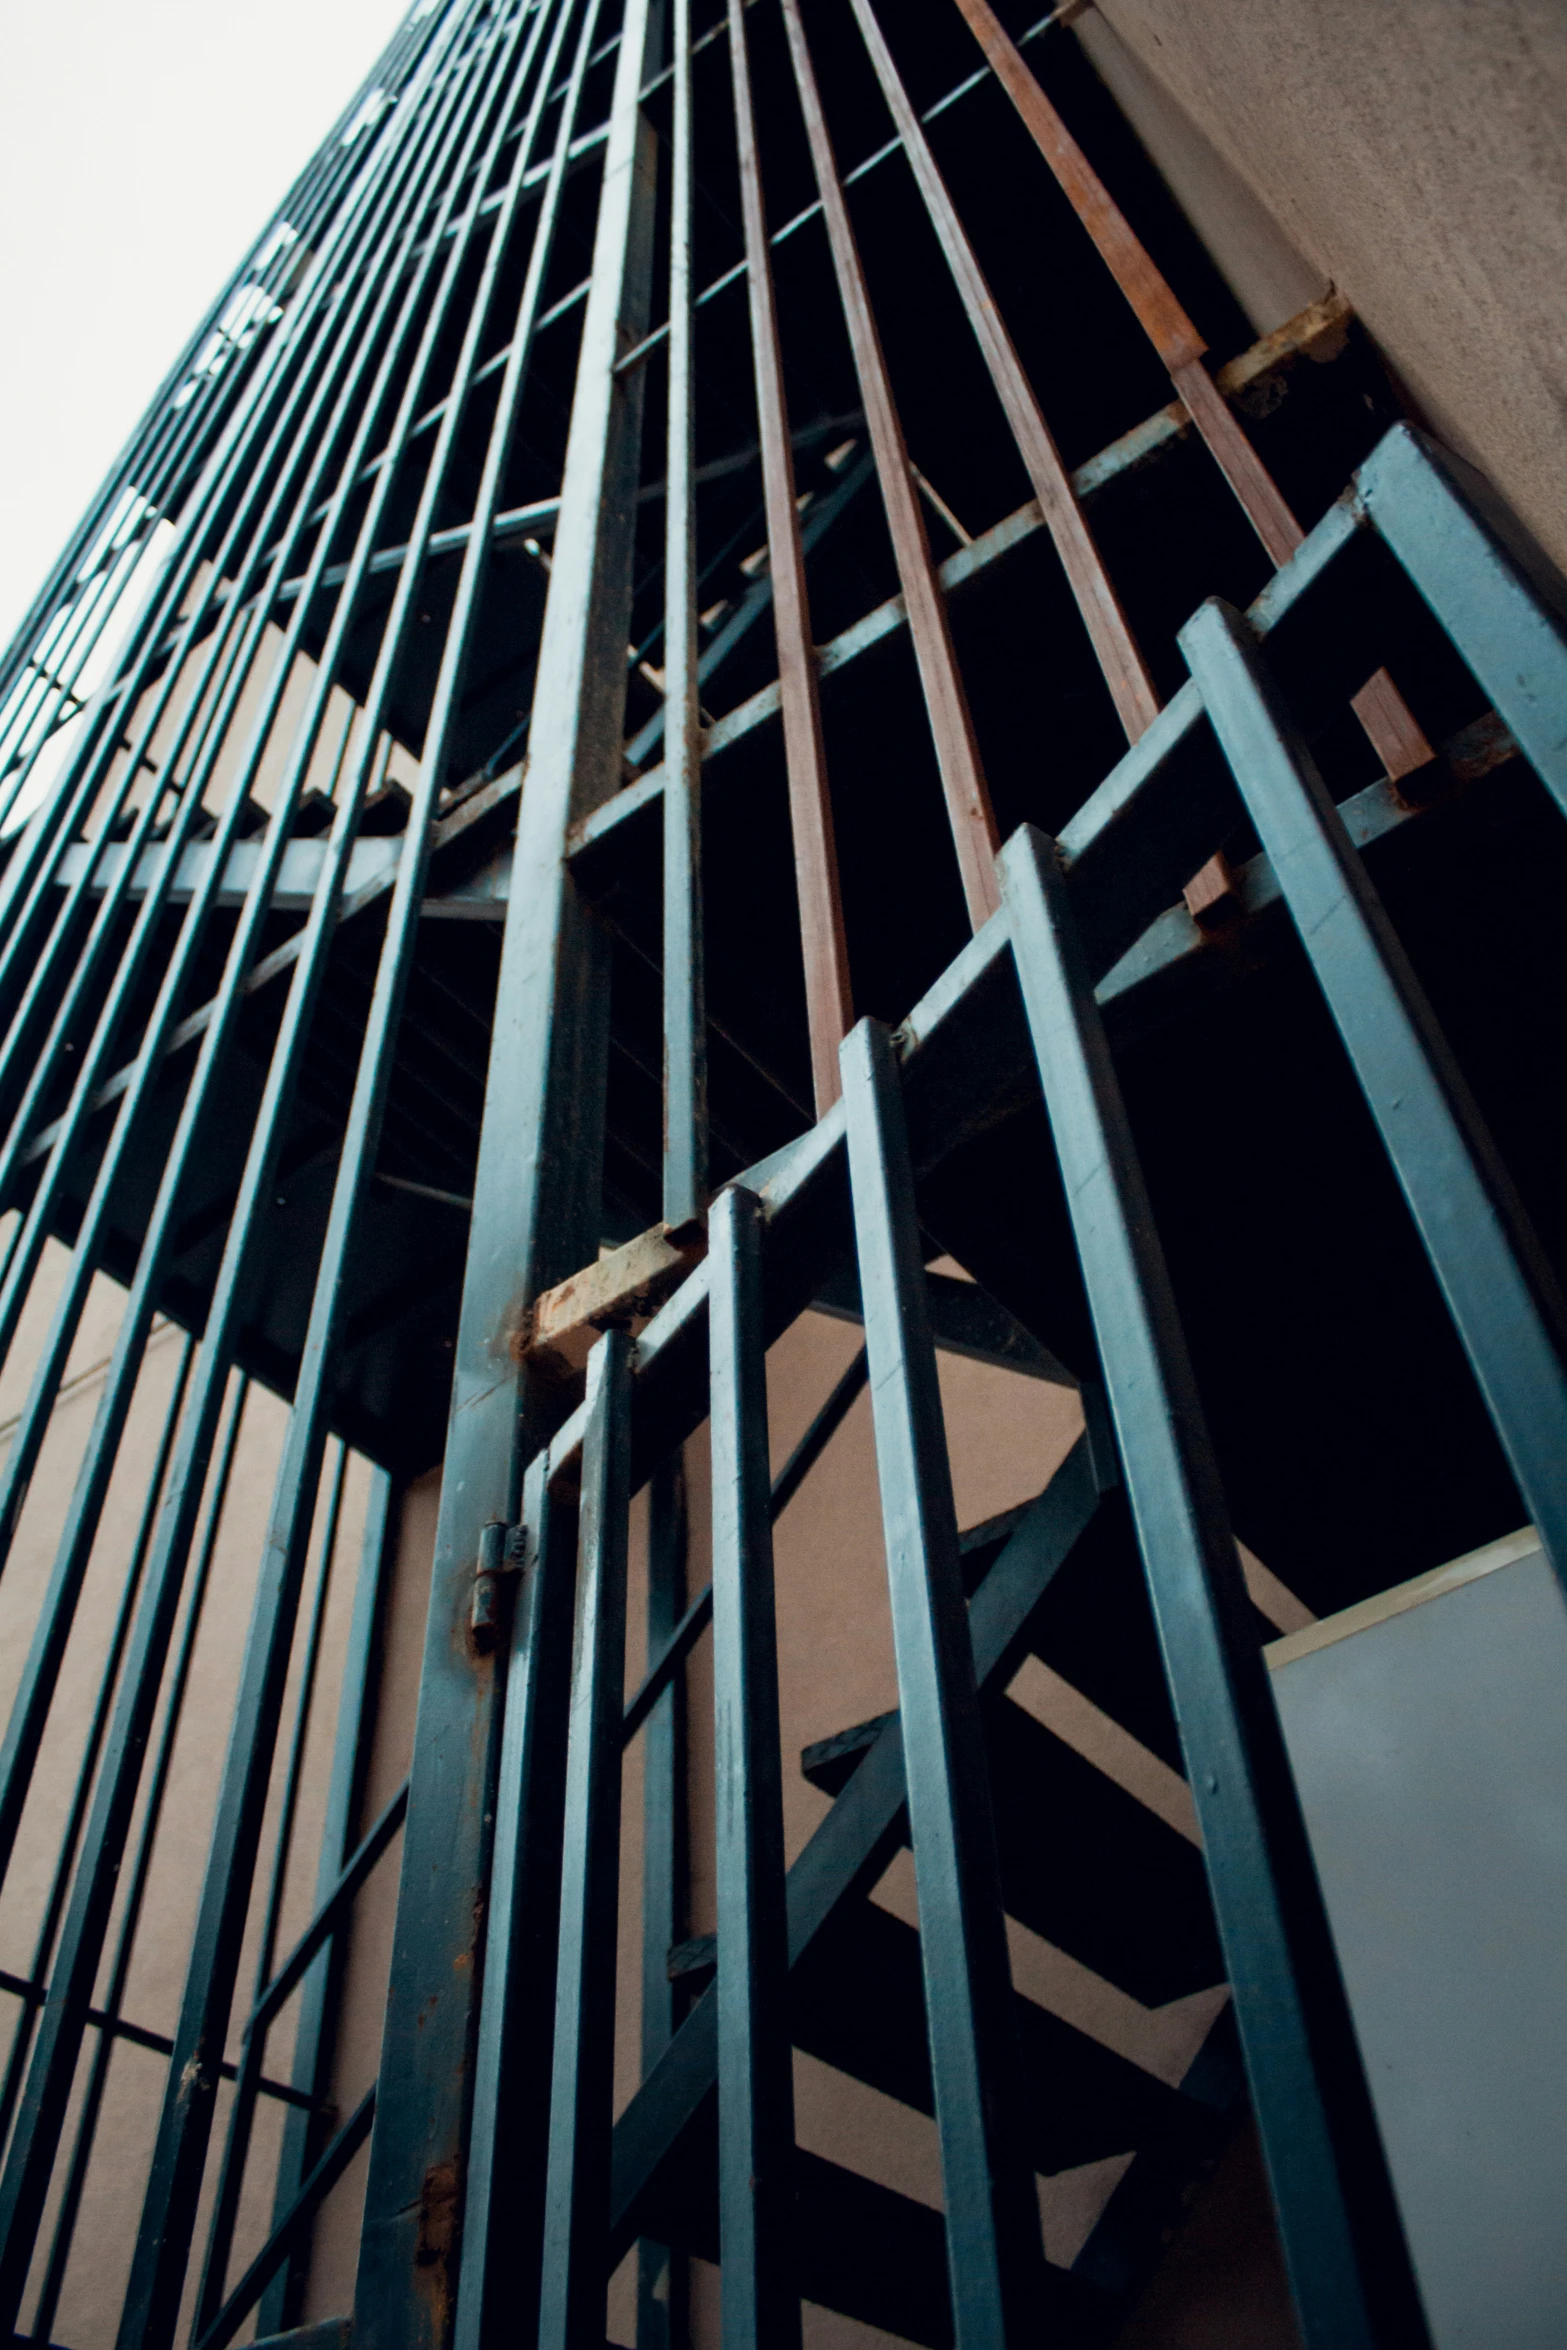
(143, 143)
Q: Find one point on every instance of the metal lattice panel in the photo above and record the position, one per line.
(540, 846)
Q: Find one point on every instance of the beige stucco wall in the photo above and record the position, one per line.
(1410, 151)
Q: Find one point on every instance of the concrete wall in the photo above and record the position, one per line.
(1410, 152)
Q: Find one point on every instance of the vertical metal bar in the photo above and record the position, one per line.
(65, 1855)
(829, 1002)
(315, 2032)
(969, 811)
(130, 1916)
(502, 2239)
(30, 2159)
(1093, 590)
(1499, 1286)
(685, 1002)
(1389, 723)
(993, 2242)
(535, 1219)
(576, 2207)
(169, 2208)
(231, 2175)
(1340, 2231)
(662, 2279)
(761, 2308)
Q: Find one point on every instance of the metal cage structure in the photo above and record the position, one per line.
(698, 696)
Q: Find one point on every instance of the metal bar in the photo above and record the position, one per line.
(23, 1452)
(1125, 671)
(1498, 1283)
(502, 2240)
(969, 811)
(302, 1713)
(685, 1011)
(130, 1916)
(994, 2255)
(755, 2082)
(1340, 2232)
(169, 2208)
(662, 2280)
(576, 2206)
(283, 2239)
(316, 2031)
(330, 1915)
(694, 1622)
(858, 1837)
(43, 2111)
(824, 1426)
(43, 1945)
(829, 1001)
(1461, 551)
(1389, 723)
(535, 1220)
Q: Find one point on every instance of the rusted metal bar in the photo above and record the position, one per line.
(829, 1002)
(1390, 725)
(957, 753)
(1125, 671)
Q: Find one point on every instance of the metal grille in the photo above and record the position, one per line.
(437, 935)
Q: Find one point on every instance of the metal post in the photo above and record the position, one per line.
(535, 1219)
(576, 2201)
(761, 2308)
(994, 2253)
(1342, 2242)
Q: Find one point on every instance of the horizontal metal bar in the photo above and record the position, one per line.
(118, 2028)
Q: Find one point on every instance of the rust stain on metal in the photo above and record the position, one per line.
(437, 2241)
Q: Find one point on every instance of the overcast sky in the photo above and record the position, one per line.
(142, 145)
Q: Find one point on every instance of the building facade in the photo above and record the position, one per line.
(784, 1387)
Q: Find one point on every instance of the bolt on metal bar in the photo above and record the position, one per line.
(1342, 2243)
(994, 2258)
(761, 2307)
(1495, 1276)
(969, 812)
(829, 1000)
(576, 2193)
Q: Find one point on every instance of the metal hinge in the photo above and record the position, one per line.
(502, 1551)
